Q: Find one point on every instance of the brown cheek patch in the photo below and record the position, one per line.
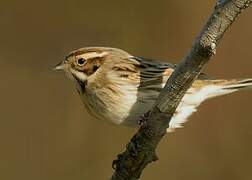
(92, 66)
(88, 69)
(168, 72)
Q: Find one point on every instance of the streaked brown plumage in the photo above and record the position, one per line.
(118, 87)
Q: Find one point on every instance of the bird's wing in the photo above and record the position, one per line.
(154, 72)
(153, 76)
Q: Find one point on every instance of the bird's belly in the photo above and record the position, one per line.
(127, 109)
(121, 110)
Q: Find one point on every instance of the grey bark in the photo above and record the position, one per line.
(140, 151)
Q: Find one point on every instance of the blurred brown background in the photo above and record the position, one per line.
(45, 132)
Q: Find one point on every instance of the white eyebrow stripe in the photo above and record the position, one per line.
(93, 55)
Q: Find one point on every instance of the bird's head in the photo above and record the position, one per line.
(83, 63)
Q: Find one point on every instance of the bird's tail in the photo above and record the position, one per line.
(230, 86)
(238, 84)
(209, 89)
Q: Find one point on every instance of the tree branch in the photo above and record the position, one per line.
(140, 151)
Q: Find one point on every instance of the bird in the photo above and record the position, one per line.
(118, 87)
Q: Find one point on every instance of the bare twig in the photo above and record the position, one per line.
(140, 151)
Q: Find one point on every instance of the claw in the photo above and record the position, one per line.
(143, 119)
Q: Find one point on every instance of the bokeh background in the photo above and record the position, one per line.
(46, 133)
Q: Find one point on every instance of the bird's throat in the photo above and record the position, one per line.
(81, 85)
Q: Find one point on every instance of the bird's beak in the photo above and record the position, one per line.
(60, 66)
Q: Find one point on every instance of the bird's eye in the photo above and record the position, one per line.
(81, 61)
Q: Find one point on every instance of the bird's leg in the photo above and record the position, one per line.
(143, 119)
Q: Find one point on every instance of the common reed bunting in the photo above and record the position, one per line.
(118, 87)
